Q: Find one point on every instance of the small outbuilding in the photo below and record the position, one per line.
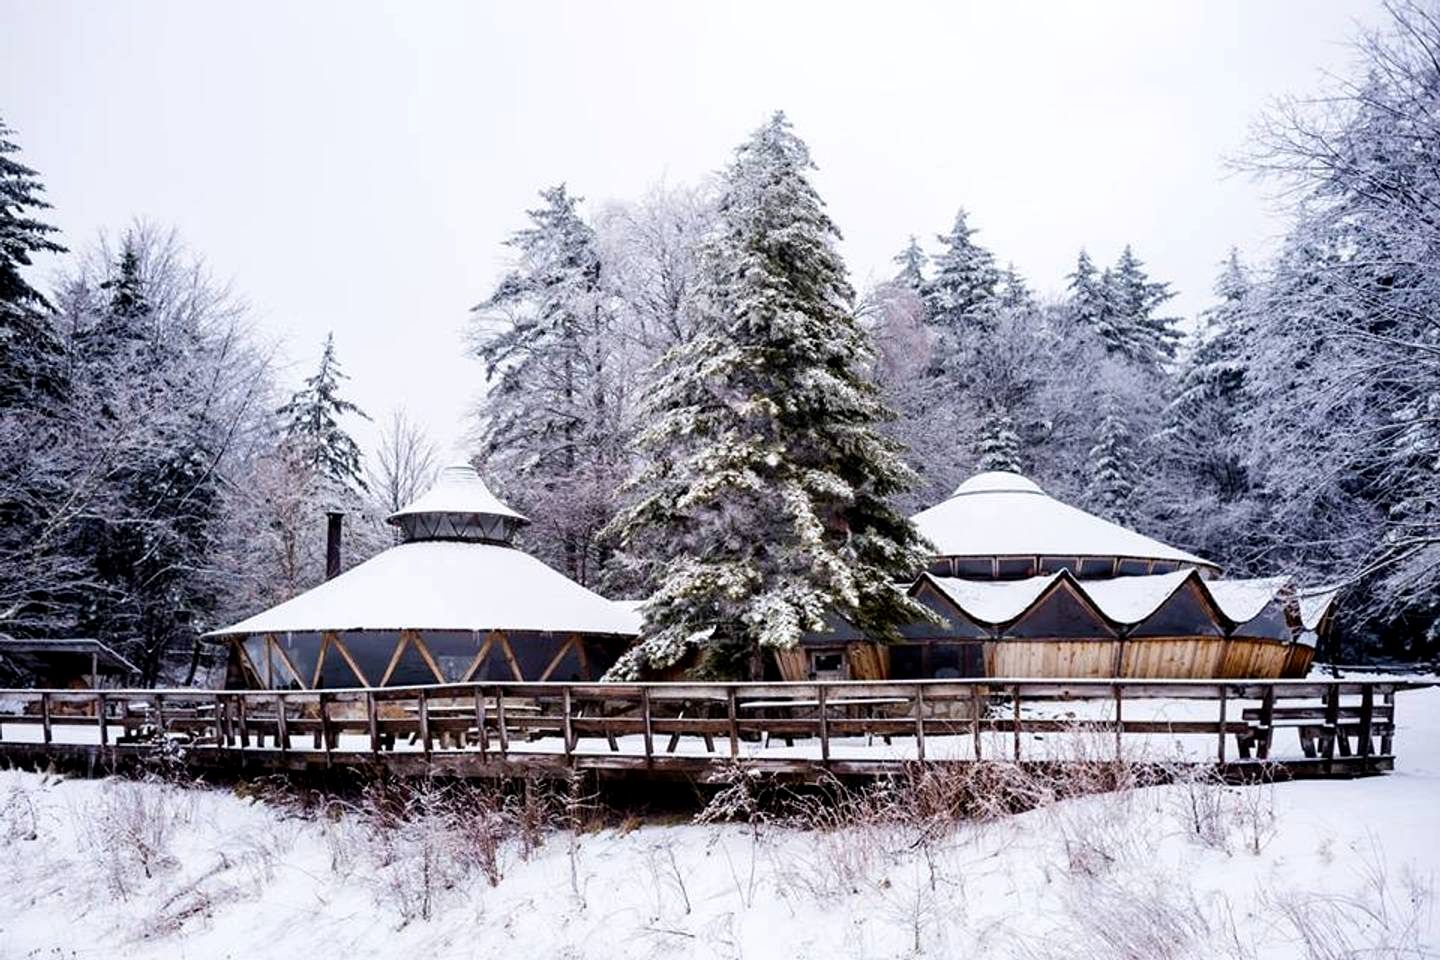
(67, 663)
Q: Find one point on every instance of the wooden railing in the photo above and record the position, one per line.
(857, 727)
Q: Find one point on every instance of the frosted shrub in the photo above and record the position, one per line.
(129, 827)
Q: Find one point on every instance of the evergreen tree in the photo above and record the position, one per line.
(961, 291)
(1014, 293)
(912, 262)
(1131, 325)
(765, 499)
(998, 446)
(551, 428)
(312, 424)
(1089, 300)
(29, 344)
(1112, 471)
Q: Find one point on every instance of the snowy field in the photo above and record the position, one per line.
(1323, 869)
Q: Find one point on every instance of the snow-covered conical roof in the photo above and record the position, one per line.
(456, 571)
(1001, 514)
(458, 507)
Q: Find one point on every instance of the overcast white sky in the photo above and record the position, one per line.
(356, 166)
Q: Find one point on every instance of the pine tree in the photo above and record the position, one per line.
(963, 285)
(1014, 293)
(912, 262)
(30, 347)
(765, 501)
(998, 446)
(1112, 470)
(1131, 325)
(312, 424)
(551, 428)
(1089, 301)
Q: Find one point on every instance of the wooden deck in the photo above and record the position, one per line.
(804, 730)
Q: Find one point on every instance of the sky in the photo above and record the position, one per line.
(356, 167)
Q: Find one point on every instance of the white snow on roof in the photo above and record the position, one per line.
(1129, 600)
(1315, 604)
(1004, 514)
(458, 489)
(446, 585)
(993, 601)
(1242, 600)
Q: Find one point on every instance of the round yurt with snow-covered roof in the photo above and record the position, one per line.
(454, 601)
(1027, 586)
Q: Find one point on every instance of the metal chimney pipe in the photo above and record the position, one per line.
(332, 543)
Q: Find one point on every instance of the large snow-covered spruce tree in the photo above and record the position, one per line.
(29, 345)
(765, 498)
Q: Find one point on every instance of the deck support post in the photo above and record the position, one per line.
(372, 722)
(481, 736)
(649, 733)
(567, 726)
(100, 719)
(734, 726)
(919, 722)
(1332, 726)
(244, 723)
(975, 718)
(500, 722)
(1265, 732)
(324, 706)
(1015, 721)
(1119, 722)
(282, 732)
(820, 698)
(1220, 749)
(1367, 722)
(45, 731)
(423, 705)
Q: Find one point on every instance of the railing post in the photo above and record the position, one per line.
(821, 699)
(481, 736)
(244, 720)
(423, 706)
(1367, 722)
(160, 715)
(1220, 750)
(649, 733)
(1332, 725)
(1267, 721)
(282, 733)
(567, 727)
(1387, 739)
(500, 722)
(100, 719)
(45, 717)
(919, 722)
(975, 718)
(324, 701)
(734, 726)
(1015, 691)
(372, 721)
(1119, 721)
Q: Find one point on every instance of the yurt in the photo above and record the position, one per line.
(1027, 586)
(454, 601)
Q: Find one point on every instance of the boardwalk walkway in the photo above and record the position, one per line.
(1286, 728)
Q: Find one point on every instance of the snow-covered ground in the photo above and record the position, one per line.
(1318, 869)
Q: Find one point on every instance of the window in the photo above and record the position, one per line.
(1014, 568)
(976, 568)
(939, 568)
(937, 661)
(1094, 567)
(1184, 614)
(1060, 614)
(453, 651)
(907, 661)
(1133, 568)
(335, 670)
(411, 670)
(534, 651)
(828, 665)
(1056, 564)
(1269, 623)
(371, 650)
(302, 650)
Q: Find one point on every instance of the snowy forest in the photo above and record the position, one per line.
(694, 404)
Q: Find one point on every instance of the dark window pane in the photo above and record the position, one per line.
(303, 650)
(1269, 623)
(1014, 568)
(534, 651)
(944, 661)
(602, 655)
(958, 625)
(1164, 566)
(1060, 614)
(453, 650)
(907, 661)
(975, 568)
(335, 672)
(568, 670)
(411, 669)
(1183, 615)
(371, 650)
(1056, 564)
(255, 650)
(940, 568)
(496, 665)
(1133, 568)
(1097, 567)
